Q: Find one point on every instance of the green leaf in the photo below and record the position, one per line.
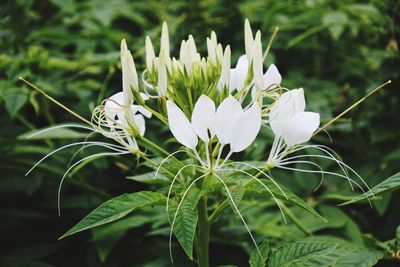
(185, 224)
(115, 209)
(390, 184)
(255, 258)
(336, 21)
(291, 197)
(14, 103)
(148, 178)
(299, 253)
(347, 257)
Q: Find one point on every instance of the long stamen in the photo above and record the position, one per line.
(331, 173)
(284, 163)
(55, 101)
(164, 160)
(262, 172)
(173, 181)
(266, 188)
(57, 127)
(351, 107)
(177, 210)
(69, 145)
(75, 164)
(238, 212)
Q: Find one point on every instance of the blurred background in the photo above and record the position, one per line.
(337, 50)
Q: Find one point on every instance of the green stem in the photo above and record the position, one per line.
(217, 211)
(203, 234)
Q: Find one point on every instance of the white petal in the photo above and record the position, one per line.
(140, 123)
(114, 105)
(180, 126)
(225, 118)
(285, 108)
(203, 118)
(272, 77)
(239, 73)
(300, 128)
(140, 109)
(246, 128)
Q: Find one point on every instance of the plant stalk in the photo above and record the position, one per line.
(203, 234)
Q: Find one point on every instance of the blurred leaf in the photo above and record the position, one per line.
(336, 22)
(14, 103)
(115, 209)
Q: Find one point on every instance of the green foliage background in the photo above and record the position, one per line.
(336, 50)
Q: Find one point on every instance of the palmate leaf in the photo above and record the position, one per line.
(390, 184)
(299, 253)
(291, 197)
(185, 224)
(115, 209)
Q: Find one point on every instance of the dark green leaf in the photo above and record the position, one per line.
(299, 253)
(255, 257)
(390, 184)
(115, 209)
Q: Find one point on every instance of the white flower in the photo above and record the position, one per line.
(289, 120)
(230, 123)
(116, 112)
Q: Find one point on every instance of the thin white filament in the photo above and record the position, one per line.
(238, 212)
(60, 126)
(76, 163)
(311, 163)
(66, 146)
(164, 160)
(266, 188)
(262, 172)
(326, 172)
(176, 213)
(173, 181)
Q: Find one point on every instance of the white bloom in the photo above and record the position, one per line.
(230, 123)
(116, 112)
(289, 120)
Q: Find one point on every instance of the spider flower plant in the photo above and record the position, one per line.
(212, 111)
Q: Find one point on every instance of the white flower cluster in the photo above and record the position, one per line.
(227, 106)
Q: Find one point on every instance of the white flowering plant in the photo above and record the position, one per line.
(213, 111)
